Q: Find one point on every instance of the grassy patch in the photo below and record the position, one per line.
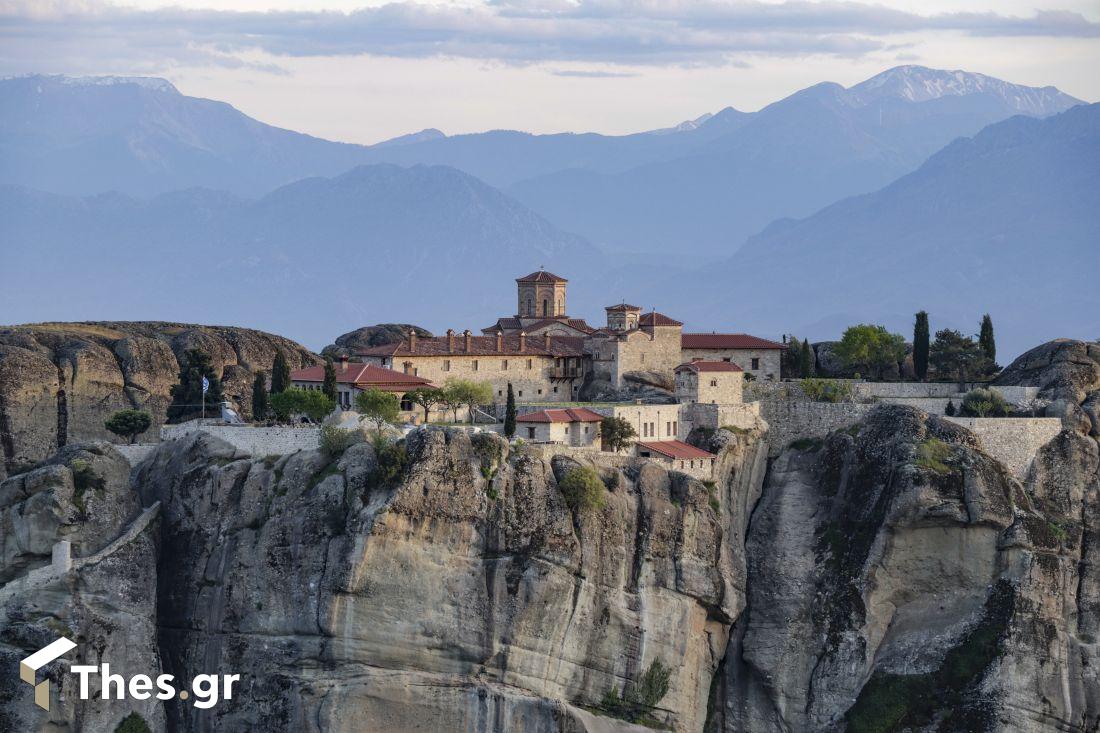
(84, 479)
(331, 469)
(933, 454)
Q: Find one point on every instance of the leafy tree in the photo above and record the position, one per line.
(583, 489)
(259, 397)
(129, 423)
(789, 360)
(920, 345)
(826, 390)
(378, 407)
(469, 394)
(616, 433)
(806, 360)
(426, 397)
(280, 373)
(868, 347)
(510, 414)
(187, 396)
(982, 402)
(328, 387)
(295, 401)
(986, 341)
(953, 353)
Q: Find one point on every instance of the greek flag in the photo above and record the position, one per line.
(205, 385)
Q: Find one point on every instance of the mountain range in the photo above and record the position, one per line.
(133, 200)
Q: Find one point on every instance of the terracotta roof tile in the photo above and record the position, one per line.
(571, 414)
(657, 319)
(622, 307)
(363, 376)
(560, 346)
(541, 276)
(674, 449)
(726, 341)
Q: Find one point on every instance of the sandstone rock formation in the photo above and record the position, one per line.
(361, 338)
(59, 381)
(1067, 372)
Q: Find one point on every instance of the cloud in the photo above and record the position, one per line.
(618, 32)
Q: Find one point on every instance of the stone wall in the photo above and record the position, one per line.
(769, 359)
(1013, 441)
(258, 442)
(640, 351)
(789, 421)
(743, 416)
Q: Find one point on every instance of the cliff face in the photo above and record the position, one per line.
(60, 381)
(900, 579)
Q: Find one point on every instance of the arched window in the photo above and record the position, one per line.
(530, 309)
(545, 307)
(406, 403)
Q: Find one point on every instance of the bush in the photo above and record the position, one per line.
(639, 699)
(583, 490)
(983, 402)
(334, 440)
(295, 401)
(933, 455)
(133, 723)
(950, 409)
(392, 462)
(826, 390)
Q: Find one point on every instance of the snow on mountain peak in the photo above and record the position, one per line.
(152, 83)
(921, 84)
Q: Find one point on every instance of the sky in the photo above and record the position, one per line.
(366, 71)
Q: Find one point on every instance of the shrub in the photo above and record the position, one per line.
(983, 402)
(392, 462)
(334, 440)
(133, 723)
(933, 454)
(583, 490)
(128, 423)
(950, 409)
(639, 699)
(826, 390)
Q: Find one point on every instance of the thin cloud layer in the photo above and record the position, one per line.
(36, 35)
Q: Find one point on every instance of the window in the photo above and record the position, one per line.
(504, 365)
(531, 433)
(529, 363)
(521, 393)
(500, 393)
(675, 428)
(545, 307)
(540, 391)
(586, 430)
(416, 371)
(555, 390)
(653, 429)
(567, 430)
(475, 365)
(714, 383)
(725, 358)
(446, 365)
(643, 358)
(668, 428)
(755, 364)
(406, 403)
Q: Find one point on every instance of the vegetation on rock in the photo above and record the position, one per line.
(638, 700)
(129, 423)
(826, 390)
(583, 490)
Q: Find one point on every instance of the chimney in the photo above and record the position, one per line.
(500, 341)
(466, 340)
(412, 340)
(343, 362)
(450, 341)
(522, 340)
(546, 340)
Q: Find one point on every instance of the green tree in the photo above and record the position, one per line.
(510, 414)
(187, 396)
(982, 402)
(378, 407)
(133, 723)
(986, 341)
(790, 359)
(280, 373)
(295, 401)
(129, 423)
(806, 360)
(953, 353)
(867, 347)
(920, 345)
(583, 489)
(616, 433)
(328, 387)
(259, 397)
(426, 397)
(469, 394)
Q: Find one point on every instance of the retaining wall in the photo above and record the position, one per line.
(1013, 441)
(789, 421)
(253, 440)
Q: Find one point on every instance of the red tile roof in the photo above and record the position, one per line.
(709, 366)
(363, 376)
(726, 341)
(657, 319)
(542, 276)
(575, 323)
(622, 307)
(483, 346)
(572, 414)
(504, 324)
(674, 449)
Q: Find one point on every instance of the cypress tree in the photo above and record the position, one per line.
(329, 385)
(510, 414)
(789, 360)
(806, 360)
(259, 397)
(187, 396)
(280, 374)
(986, 341)
(920, 345)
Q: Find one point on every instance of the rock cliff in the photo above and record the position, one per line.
(1067, 372)
(59, 381)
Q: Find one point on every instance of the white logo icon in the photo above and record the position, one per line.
(42, 657)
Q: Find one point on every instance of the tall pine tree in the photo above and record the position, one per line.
(920, 346)
(510, 414)
(280, 374)
(187, 396)
(806, 360)
(986, 340)
(259, 397)
(329, 385)
(789, 359)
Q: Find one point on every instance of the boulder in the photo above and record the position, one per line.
(367, 336)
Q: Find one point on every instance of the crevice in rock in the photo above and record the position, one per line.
(62, 408)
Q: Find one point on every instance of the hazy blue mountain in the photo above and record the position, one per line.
(1006, 222)
(141, 136)
(427, 245)
(787, 160)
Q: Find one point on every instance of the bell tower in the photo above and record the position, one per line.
(540, 295)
